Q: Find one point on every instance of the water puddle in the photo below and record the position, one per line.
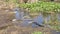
(27, 21)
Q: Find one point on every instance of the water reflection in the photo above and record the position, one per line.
(39, 19)
(19, 14)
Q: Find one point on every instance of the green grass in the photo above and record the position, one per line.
(42, 6)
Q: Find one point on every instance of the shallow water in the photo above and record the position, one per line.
(19, 16)
(39, 19)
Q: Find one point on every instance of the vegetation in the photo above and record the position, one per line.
(42, 6)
